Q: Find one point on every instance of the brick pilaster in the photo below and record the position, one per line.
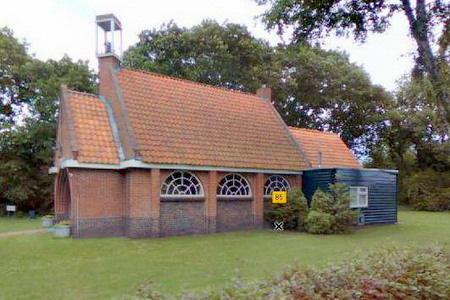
(211, 202)
(258, 200)
(155, 200)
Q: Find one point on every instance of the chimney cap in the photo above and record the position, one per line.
(104, 22)
(265, 93)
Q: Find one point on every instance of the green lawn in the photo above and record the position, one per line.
(43, 267)
(8, 224)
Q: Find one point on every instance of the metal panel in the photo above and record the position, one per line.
(317, 178)
(382, 186)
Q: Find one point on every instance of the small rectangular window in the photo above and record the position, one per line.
(359, 196)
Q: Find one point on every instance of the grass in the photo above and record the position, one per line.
(9, 224)
(44, 267)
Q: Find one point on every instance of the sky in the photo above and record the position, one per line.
(57, 27)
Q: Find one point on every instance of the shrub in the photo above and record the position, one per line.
(388, 273)
(428, 190)
(331, 212)
(345, 217)
(319, 222)
(292, 214)
(322, 201)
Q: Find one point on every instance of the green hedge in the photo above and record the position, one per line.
(428, 190)
(389, 273)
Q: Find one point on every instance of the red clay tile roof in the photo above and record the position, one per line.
(92, 129)
(334, 151)
(181, 122)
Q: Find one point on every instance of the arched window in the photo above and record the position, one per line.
(234, 185)
(181, 184)
(275, 183)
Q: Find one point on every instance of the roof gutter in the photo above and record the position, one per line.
(393, 171)
(133, 163)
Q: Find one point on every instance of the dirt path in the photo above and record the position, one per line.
(22, 232)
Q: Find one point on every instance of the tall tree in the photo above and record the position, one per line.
(322, 89)
(413, 138)
(227, 56)
(13, 84)
(312, 19)
(29, 90)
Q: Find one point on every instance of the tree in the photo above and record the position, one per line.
(29, 92)
(221, 55)
(314, 19)
(321, 89)
(13, 84)
(414, 136)
(413, 140)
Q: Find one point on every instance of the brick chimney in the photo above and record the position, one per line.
(265, 93)
(108, 50)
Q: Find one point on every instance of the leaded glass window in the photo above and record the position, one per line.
(276, 183)
(234, 185)
(181, 184)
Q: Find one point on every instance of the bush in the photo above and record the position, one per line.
(320, 222)
(345, 217)
(292, 214)
(438, 201)
(322, 201)
(428, 190)
(331, 212)
(388, 273)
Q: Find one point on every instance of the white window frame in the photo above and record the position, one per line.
(360, 191)
(225, 179)
(273, 181)
(199, 187)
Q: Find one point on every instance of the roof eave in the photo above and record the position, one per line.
(132, 163)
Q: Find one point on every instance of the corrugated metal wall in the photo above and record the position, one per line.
(382, 186)
(318, 178)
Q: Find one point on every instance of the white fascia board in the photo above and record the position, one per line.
(132, 163)
(393, 171)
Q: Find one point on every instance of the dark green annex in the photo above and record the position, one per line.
(373, 191)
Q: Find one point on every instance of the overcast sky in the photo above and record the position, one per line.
(54, 28)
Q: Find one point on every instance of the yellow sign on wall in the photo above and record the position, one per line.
(279, 197)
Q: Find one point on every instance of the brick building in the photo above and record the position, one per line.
(152, 155)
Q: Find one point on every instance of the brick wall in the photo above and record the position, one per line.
(234, 214)
(180, 217)
(240, 213)
(96, 202)
(127, 203)
(183, 216)
(137, 204)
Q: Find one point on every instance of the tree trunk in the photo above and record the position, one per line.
(418, 25)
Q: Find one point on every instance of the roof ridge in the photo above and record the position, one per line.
(189, 81)
(313, 130)
(83, 93)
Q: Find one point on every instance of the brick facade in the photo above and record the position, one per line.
(128, 203)
(235, 214)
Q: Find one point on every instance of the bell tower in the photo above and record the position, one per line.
(108, 47)
(110, 42)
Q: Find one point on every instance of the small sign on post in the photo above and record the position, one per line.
(279, 197)
(10, 209)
